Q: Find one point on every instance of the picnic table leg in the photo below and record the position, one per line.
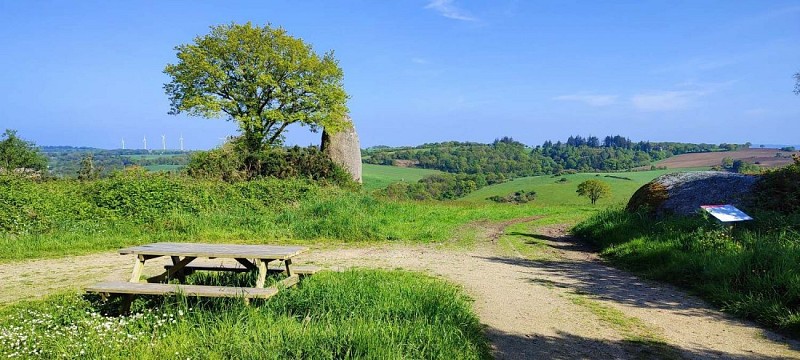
(138, 265)
(262, 273)
(180, 274)
(287, 263)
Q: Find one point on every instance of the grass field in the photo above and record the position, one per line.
(379, 176)
(551, 191)
(367, 314)
(749, 270)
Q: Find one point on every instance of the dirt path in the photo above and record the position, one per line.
(572, 307)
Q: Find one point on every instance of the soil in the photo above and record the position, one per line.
(531, 309)
(763, 157)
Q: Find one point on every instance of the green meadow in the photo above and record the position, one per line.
(552, 190)
(379, 176)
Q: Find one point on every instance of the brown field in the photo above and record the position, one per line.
(763, 157)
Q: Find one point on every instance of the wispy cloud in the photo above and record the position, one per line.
(591, 100)
(669, 100)
(419, 60)
(665, 100)
(447, 9)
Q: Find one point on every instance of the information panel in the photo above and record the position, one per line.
(726, 213)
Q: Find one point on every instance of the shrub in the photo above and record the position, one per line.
(519, 197)
(232, 163)
(779, 189)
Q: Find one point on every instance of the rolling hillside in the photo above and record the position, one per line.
(551, 191)
(763, 157)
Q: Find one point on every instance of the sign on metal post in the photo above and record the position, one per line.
(726, 213)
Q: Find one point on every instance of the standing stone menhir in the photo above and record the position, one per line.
(344, 149)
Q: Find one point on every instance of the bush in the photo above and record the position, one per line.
(232, 163)
(519, 197)
(779, 190)
(437, 187)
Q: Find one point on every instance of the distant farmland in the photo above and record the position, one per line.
(763, 157)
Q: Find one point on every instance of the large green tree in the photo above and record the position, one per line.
(260, 77)
(594, 190)
(16, 153)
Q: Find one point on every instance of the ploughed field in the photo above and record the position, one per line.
(763, 157)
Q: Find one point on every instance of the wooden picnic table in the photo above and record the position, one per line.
(250, 257)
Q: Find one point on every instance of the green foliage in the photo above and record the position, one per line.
(232, 163)
(88, 170)
(368, 314)
(16, 153)
(751, 271)
(788, 148)
(65, 161)
(739, 166)
(779, 189)
(511, 158)
(594, 190)
(518, 197)
(67, 217)
(436, 187)
(223, 163)
(261, 78)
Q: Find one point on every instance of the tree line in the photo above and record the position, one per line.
(513, 159)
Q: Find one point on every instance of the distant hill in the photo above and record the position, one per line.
(764, 157)
(510, 158)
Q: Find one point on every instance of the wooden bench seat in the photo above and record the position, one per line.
(299, 270)
(129, 288)
(122, 287)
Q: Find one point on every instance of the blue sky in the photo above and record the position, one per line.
(89, 73)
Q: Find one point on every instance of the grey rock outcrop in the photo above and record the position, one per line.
(344, 149)
(683, 193)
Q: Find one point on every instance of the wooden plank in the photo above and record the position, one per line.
(289, 281)
(172, 270)
(216, 250)
(119, 287)
(262, 273)
(247, 264)
(296, 269)
(138, 265)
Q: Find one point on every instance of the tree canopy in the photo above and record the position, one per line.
(594, 190)
(16, 153)
(260, 77)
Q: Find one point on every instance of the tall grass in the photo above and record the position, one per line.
(356, 314)
(63, 217)
(752, 271)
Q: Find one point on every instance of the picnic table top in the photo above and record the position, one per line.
(216, 250)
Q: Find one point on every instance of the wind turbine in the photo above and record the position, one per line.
(145, 142)
(164, 142)
(181, 139)
(123, 143)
